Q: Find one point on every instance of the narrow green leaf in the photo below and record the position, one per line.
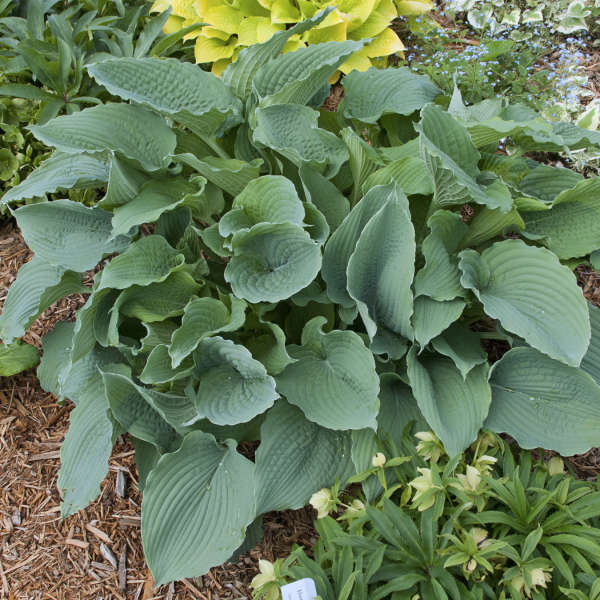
(17, 357)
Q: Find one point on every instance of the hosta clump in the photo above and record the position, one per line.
(300, 278)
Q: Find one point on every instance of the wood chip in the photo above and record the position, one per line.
(46, 455)
(123, 568)
(5, 588)
(170, 592)
(108, 555)
(16, 518)
(77, 543)
(120, 484)
(98, 533)
(195, 591)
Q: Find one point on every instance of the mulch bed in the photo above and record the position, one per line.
(96, 553)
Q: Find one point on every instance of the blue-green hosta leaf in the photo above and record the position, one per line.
(571, 228)
(233, 387)
(158, 367)
(203, 317)
(146, 261)
(135, 415)
(84, 453)
(61, 172)
(364, 159)
(455, 408)
(268, 199)
(343, 241)
(158, 301)
(55, 357)
(183, 91)
(544, 403)
(132, 131)
(178, 411)
(17, 357)
(239, 75)
(376, 92)
(197, 504)
(379, 274)
(440, 278)
(229, 174)
(462, 345)
(297, 458)
(364, 448)
(272, 262)
(292, 131)
(532, 295)
(325, 196)
(488, 223)
(546, 183)
(432, 317)
(37, 286)
(68, 234)
(153, 200)
(269, 347)
(398, 408)
(333, 379)
(591, 361)
(316, 223)
(452, 158)
(295, 77)
(157, 333)
(124, 183)
(410, 174)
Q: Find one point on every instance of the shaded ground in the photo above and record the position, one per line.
(96, 553)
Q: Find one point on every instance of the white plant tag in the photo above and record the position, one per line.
(304, 589)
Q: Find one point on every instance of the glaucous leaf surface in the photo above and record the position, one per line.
(333, 378)
(532, 295)
(544, 403)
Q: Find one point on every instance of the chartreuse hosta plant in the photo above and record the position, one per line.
(231, 25)
(305, 277)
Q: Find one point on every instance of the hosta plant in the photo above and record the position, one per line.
(274, 272)
(482, 527)
(231, 25)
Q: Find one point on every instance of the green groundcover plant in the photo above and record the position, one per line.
(276, 272)
(480, 526)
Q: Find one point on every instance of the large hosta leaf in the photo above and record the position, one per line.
(343, 241)
(197, 504)
(296, 458)
(232, 387)
(462, 345)
(488, 223)
(135, 415)
(272, 262)
(432, 317)
(17, 357)
(153, 200)
(84, 453)
(452, 159)
(293, 131)
(132, 131)
(268, 199)
(37, 286)
(183, 91)
(532, 295)
(571, 228)
(295, 77)
(591, 361)
(440, 278)
(546, 183)
(61, 172)
(333, 379)
(203, 317)
(146, 261)
(375, 92)
(455, 408)
(325, 196)
(544, 403)
(380, 275)
(68, 234)
(410, 174)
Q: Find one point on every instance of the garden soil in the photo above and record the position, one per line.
(97, 553)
